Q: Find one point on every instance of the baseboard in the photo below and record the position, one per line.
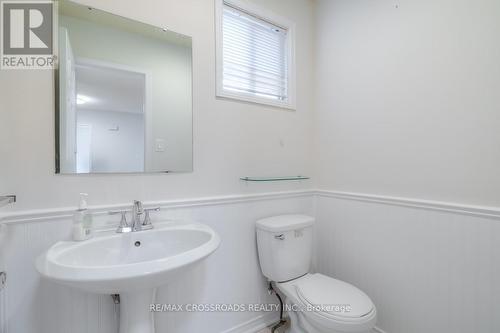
(257, 324)
(254, 325)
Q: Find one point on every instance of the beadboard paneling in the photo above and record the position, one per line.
(231, 275)
(429, 267)
(427, 270)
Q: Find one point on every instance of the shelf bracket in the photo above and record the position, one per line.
(7, 199)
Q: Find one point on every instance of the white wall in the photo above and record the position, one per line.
(407, 106)
(231, 139)
(119, 150)
(407, 98)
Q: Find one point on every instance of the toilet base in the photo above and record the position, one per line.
(294, 324)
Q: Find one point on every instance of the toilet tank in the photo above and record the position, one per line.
(285, 246)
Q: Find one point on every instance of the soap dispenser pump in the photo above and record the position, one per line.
(82, 220)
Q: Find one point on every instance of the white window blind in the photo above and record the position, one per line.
(255, 56)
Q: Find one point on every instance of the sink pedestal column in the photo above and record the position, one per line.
(135, 316)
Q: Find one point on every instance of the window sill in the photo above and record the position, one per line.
(256, 100)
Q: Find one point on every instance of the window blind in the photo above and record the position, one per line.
(255, 56)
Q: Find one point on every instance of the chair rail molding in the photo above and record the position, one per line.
(40, 215)
(449, 207)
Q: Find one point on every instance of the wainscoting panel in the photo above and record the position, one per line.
(231, 275)
(428, 267)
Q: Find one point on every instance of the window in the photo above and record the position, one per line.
(255, 55)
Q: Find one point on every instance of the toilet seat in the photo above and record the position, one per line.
(320, 297)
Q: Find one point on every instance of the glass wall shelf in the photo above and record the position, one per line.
(273, 179)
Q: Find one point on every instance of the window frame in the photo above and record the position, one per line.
(266, 15)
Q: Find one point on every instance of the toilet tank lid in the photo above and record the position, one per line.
(285, 222)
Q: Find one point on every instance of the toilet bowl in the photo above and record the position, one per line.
(315, 303)
(321, 304)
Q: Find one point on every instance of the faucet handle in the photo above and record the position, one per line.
(147, 219)
(155, 209)
(124, 227)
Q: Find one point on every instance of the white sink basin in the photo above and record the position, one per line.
(132, 265)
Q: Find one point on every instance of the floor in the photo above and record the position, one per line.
(268, 330)
(280, 330)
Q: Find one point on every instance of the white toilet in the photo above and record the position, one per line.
(316, 303)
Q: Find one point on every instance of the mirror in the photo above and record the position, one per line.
(123, 95)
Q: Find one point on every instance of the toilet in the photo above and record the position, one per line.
(315, 302)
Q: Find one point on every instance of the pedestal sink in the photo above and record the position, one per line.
(132, 265)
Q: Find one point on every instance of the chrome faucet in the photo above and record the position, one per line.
(137, 212)
(137, 224)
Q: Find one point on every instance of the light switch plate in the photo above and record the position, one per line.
(160, 145)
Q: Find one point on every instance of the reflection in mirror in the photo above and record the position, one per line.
(124, 95)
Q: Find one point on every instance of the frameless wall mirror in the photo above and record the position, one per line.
(123, 95)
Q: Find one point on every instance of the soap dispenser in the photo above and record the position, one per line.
(82, 220)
